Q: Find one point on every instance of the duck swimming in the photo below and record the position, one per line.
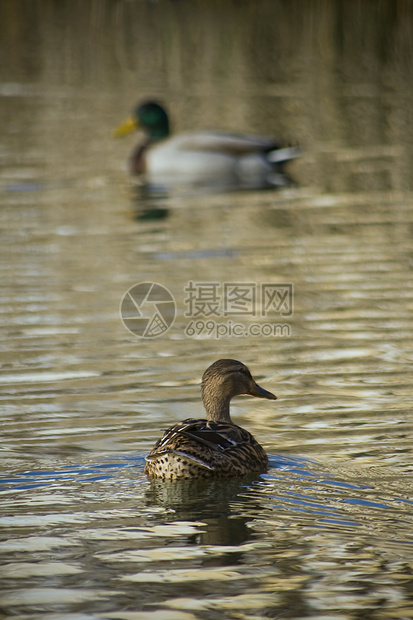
(214, 447)
(203, 160)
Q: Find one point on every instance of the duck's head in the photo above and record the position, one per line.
(224, 380)
(149, 116)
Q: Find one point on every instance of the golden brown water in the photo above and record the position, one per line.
(328, 532)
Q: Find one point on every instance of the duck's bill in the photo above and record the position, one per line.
(258, 391)
(126, 127)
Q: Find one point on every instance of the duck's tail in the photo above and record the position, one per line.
(278, 156)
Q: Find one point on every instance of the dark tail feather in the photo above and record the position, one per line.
(280, 155)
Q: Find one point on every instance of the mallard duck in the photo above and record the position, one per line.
(214, 447)
(208, 160)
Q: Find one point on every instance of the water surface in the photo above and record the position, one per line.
(327, 533)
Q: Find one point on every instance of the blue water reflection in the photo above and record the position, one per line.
(326, 495)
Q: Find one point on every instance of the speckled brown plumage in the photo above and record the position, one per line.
(214, 447)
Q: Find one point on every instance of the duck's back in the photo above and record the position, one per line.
(202, 449)
(210, 160)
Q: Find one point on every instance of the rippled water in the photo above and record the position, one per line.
(327, 533)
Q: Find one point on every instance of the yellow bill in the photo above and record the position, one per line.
(130, 124)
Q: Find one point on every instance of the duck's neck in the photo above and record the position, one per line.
(217, 409)
(160, 132)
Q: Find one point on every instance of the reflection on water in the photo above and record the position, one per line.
(327, 533)
(284, 541)
(147, 206)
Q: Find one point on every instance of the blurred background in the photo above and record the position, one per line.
(333, 76)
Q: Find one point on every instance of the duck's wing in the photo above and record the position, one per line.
(216, 436)
(199, 448)
(222, 142)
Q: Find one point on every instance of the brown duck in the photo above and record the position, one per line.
(214, 447)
